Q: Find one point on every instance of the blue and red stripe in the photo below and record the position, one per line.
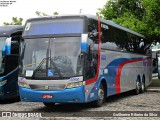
(119, 71)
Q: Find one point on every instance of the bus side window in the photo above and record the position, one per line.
(15, 42)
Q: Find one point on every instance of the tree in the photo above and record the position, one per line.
(152, 18)
(139, 15)
(55, 13)
(15, 21)
(41, 14)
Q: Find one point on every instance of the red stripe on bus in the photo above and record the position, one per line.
(118, 74)
(90, 81)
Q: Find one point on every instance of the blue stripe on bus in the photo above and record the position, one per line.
(110, 77)
(112, 71)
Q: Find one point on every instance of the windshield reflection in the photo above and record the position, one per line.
(52, 57)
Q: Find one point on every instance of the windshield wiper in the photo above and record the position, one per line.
(48, 60)
(53, 64)
(38, 67)
(51, 61)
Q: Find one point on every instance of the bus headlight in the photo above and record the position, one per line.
(23, 84)
(75, 84)
(3, 82)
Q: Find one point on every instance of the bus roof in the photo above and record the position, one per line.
(9, 29)
(108, 22)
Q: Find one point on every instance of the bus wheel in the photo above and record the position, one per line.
(138, 86)
(101, 97)
(142, 89)
(49, 104)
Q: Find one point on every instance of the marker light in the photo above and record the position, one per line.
(23, 84)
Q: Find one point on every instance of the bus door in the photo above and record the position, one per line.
(11, 63)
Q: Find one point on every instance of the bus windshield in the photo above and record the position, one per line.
(52, 57)
(2, 42)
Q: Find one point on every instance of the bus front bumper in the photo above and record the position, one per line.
(73, 95)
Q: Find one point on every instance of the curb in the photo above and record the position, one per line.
(153, 89)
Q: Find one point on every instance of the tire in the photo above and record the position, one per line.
(49, 104)
(142, 89)
(101, 97)
(138, 86)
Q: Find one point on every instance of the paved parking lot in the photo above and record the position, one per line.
(148, 101)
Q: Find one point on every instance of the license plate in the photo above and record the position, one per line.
(47, 96)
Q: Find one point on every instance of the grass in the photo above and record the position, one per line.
(155, 83)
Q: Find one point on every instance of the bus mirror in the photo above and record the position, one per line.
(84, 44)
(81, 56)
(8, 46)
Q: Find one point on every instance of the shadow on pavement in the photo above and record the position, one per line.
(9, 101)
(70, 108)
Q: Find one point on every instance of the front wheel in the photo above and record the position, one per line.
(101, 97)
(49, 104)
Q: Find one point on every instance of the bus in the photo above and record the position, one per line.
(9, 51)
(81, 59)
(156, 63)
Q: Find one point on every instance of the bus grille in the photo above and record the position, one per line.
(47, 87)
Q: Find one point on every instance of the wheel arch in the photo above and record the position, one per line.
(139, 78)
(143, 79)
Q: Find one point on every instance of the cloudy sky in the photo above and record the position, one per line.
(27, 8)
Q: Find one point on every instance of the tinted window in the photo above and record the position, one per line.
(116, 39)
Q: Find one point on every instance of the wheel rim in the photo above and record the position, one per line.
(142, 86)
(101, 95)
(138, 86)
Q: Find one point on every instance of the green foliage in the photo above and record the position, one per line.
(142, 16)
(15, 21)
(152, 18)
(55, 13)
(41, 14)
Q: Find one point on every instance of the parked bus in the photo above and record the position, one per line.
(9, 51)
(80, 59)
(156, 63)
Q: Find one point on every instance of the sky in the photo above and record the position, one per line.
(26, 8)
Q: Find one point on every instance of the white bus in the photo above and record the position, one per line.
(79, 59)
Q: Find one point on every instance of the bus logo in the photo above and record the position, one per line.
(50, 72)
(103, 57)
